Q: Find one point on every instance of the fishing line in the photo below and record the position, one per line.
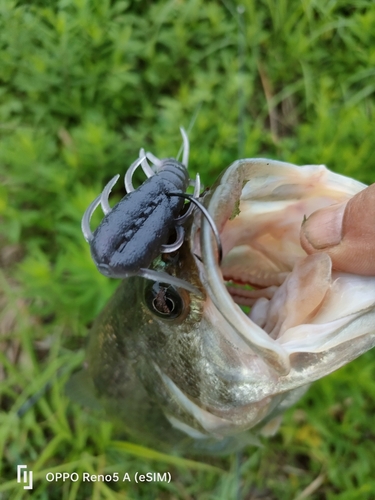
(238, 14)
(241, 41)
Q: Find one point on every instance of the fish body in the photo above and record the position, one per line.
(210, 377)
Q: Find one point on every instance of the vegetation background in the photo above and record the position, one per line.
(83, 85)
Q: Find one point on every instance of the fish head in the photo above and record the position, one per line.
(180, 361)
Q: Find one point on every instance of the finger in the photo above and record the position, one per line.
(346, 232)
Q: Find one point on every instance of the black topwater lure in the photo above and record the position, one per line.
(137, 229)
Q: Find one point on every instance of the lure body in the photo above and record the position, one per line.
(138, 229)
(131, 235)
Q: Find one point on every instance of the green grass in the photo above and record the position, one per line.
(83, 85)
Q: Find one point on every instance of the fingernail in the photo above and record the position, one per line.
(324, 227)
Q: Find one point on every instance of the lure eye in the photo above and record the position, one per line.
(163, 300)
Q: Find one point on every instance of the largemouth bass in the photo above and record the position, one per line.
(180, 365)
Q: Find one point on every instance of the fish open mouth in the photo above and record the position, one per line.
(299, 304)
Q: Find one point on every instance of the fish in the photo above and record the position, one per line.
(209, 360)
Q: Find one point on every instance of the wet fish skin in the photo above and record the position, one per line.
(128, 343)
(134, 355)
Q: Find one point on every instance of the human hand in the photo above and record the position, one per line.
(346, 232)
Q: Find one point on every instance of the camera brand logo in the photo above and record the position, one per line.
(25, 477)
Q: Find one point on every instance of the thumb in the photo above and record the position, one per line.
(346, 232)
